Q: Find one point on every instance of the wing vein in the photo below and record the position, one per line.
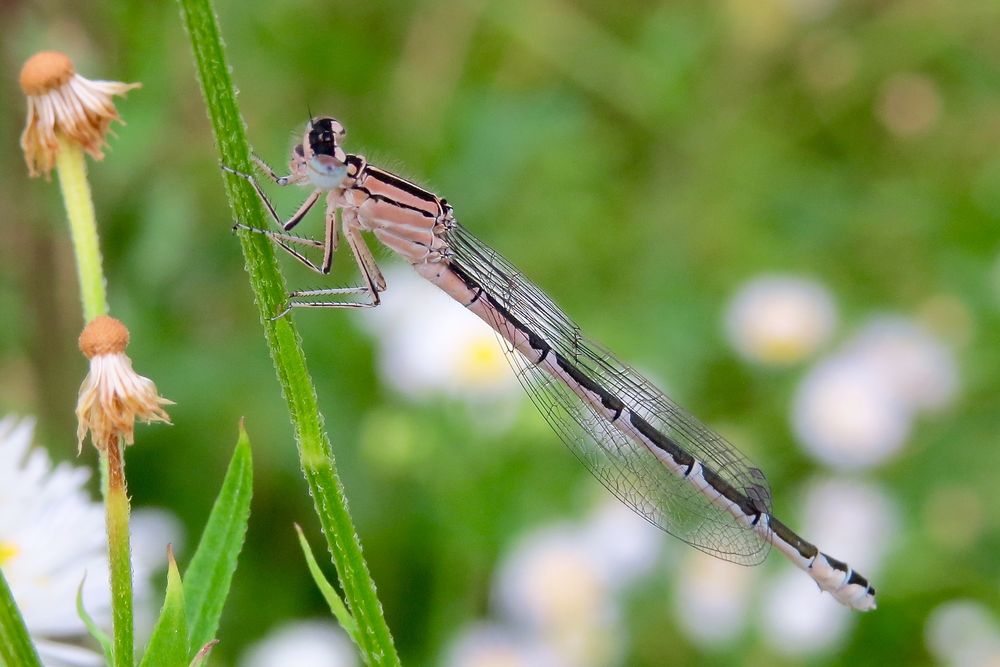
(693, 510)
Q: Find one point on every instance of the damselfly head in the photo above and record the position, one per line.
(323, 135)
(322, 155)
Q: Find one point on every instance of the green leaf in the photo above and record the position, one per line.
(329, 593)
(208, 577)
(168, 645)
(15, 643)
(96, 632)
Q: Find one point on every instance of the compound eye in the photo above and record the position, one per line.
(327, 124)
(324, 136)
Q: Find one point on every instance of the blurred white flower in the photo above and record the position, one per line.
(553, 586)
(776, 319)
(491, 645)
(51, 534)
(798, 620)
(758, 25)
(847, 519)
(847, 413)
(152, 529)
(850, 519)
(909, 105)
(625, 545)
(963, 633)
(713, 598)
(312, 642)
(550, 577)
(828, 61)
(430, 344)
(855, 409)
(919, 368)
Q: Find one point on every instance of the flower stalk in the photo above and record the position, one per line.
(71, 169)
(116, 508)
(67, 115)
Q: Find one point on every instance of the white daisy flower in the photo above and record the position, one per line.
(963, 633)
(847, 413)
(492, 645)
(313, 642)
(51, 534)
(919, 367)
(713, 598)
(428, 344)
(779, 320)
(554, 586)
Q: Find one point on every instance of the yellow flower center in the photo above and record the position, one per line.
(482, 361)
(784, 350)
(8, 551)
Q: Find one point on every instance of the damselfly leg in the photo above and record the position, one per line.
(265, 168)
(374, 280)
(366, 264)
(296, 218)
(284, 240)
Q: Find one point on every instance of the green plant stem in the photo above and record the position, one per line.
(315, 453)
(15, 643)
(119, 557)
(72, 170)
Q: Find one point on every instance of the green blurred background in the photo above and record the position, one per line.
(640, 161)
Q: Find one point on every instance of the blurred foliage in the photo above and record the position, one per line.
(637, 160)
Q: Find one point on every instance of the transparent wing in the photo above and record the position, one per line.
(626, 467)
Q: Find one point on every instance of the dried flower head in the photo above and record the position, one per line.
(63, 103)
(113, 395)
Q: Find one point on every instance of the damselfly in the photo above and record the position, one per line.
(654, 456)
